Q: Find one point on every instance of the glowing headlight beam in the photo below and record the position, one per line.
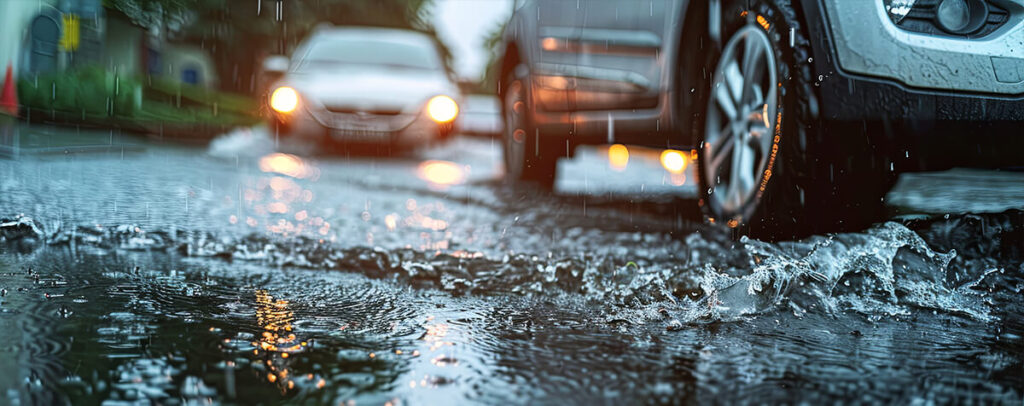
(673, 161)
(442, 109)
(284, 99)
(618, 157)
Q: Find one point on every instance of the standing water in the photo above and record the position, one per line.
(291, 280)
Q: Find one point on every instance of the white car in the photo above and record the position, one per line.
(363, 86)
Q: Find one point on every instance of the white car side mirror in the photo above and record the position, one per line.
(276, 64)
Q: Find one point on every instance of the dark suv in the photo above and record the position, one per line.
(801, 112)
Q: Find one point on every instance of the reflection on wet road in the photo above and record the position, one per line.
(239, 274)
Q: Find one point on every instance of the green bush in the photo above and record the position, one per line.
(28, 95)
(90, 91)
(97, 95)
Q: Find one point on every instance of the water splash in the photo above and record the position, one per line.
(886, 271)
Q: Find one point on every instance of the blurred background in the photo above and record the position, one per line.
(158, 242)
(192, 68)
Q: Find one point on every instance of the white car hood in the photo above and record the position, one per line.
(370, 89)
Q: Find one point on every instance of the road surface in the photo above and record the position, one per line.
(143, 269)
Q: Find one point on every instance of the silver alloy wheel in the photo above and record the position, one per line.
(741, 115)
(515, 132)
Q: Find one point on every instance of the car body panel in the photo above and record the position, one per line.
(992, 64)
(371, 89)
(852, 96)
(933, 129)
(602, 71)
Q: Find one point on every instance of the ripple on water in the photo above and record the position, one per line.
(32, 314)
(883, 315)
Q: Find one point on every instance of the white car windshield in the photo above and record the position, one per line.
(329, 52)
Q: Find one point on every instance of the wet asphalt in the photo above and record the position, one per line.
(448, 196)
(140, 268)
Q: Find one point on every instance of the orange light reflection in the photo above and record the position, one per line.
(618, 157)
(673, 161)
(549, 44)
(441, 173)
(277, 341)
(289, 165)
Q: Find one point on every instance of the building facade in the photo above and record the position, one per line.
(44, 36)
(35, 34)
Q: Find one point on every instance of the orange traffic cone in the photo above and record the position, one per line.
(9, 98)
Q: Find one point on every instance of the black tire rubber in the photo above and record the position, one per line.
(539, 160)
(821, 180)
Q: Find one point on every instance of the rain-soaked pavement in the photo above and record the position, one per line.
(135, 270)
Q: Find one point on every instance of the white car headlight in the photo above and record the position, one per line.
(284, 99)
(442, 109)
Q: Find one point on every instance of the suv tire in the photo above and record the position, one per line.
(528, 157)
(766, 165)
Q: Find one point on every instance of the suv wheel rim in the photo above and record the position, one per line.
(741, 113)
(515, 133)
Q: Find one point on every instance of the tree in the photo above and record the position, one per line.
(493, 45)
(240, 33)
(154, 13)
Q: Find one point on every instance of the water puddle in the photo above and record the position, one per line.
(169, 315)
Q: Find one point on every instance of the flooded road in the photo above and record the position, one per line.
(147, 272)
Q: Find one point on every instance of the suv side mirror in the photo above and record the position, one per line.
(276, 64)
